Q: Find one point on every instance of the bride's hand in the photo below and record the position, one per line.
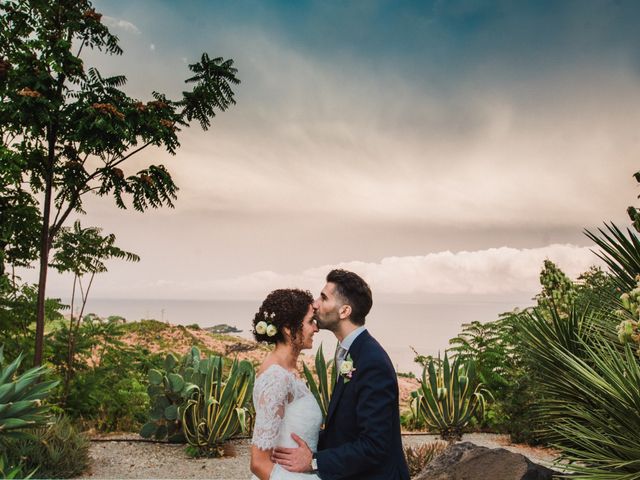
(294, 459)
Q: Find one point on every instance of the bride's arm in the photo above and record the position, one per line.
(269, 398)
(261, 464)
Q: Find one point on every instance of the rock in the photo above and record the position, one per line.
(222, 328)
(239, 347)
(466, 461)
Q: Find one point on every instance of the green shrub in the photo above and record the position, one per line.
(588, 404)
(10, 469)
(411, 421)
(517, 400)
(56, 451)
(18, 315)
(125, 408)
(112, 396)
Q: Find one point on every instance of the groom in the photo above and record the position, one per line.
(361, 437)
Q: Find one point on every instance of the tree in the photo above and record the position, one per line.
(74, 129)
(19, 217)
(82, 251)
(19, 231)
(484, 343)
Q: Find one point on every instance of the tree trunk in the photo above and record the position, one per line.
(46, 240)
(45, 247)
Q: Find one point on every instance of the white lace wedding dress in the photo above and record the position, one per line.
(284, 405)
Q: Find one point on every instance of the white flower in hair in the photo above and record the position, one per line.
(261, 328)
(271, 330)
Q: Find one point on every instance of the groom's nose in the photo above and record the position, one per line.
(316, 304)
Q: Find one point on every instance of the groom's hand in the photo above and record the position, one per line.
(294, 459)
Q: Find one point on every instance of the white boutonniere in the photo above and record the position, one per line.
(347, 369)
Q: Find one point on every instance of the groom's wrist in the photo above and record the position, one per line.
(314, 463)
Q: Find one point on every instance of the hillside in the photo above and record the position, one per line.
(160, 337)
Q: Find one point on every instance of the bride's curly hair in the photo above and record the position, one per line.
(284, 307)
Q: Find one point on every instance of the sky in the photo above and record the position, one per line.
(436, 148)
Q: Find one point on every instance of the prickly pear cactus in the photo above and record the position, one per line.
(168, 391)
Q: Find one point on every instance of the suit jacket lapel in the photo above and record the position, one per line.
(354, 351)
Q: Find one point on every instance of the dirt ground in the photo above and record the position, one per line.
(123, 457)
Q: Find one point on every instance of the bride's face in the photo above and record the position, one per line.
(309, 329)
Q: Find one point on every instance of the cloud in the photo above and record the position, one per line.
(120, 24)
(449, 138)
(552, 147)
(487, 151)
(494, 271)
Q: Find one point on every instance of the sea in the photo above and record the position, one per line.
(402, 328)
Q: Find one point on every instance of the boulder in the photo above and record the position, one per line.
(466, 461)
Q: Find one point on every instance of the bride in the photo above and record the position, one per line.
(283, 403)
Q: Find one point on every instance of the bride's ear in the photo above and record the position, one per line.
(286, 332)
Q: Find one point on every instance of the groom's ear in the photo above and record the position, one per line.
(345, 311)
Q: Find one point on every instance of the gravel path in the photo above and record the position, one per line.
(130, 459)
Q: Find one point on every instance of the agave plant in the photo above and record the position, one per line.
(326, 380)
(449, 396)
(21, 398)
(218, 410)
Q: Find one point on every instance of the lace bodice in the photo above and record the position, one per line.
(284, 405)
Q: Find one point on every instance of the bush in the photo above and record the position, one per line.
(105, 383)
(420, 456)
(9, 469)
(57, 451)
(412, 421)
(112, 396)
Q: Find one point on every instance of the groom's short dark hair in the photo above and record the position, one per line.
(354, 291)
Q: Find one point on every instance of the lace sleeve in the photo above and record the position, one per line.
(269, 397)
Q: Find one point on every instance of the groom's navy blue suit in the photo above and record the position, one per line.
(361, 438)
